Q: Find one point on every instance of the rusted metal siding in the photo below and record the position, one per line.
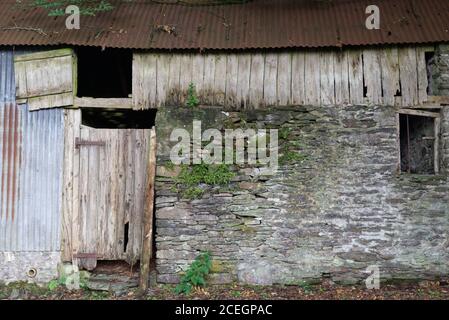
(256, 24)
(31, 160)
(7, 84)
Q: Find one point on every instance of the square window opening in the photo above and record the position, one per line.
(418, 144)
(104, 73)
(118, 118)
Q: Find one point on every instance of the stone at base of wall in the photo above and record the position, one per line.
(20, 266)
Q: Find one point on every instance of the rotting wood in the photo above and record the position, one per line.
(147, 241)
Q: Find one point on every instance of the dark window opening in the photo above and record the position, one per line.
(399, 91)
(126, 237)
(430, 65)
(118, 118)
(417, 138)
(104, 73)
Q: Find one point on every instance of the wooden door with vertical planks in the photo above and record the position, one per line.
(111, 186)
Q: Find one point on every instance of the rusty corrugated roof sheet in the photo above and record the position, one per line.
(257, 24)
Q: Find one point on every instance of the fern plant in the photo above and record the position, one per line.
(192, 99)
(195, 276)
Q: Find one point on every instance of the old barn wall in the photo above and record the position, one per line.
(31, 158)
(380, 76)
(338, 208)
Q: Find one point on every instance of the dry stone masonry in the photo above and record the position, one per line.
(335, 208)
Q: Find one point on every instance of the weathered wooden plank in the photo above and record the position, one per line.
(100, 207)
(109, 103)
(70, 130)
(44, 55)
(144, 80)
(58, 71)
(232, 69)
(312, 77)
(421, 113)
(209, 78)
(163, 69)
(421, 64)
(112, 194)
(408, 76)
(256, 80)
(122, 145)
(137, 80)
(139, 164)
(185, 77)
(174, 88)
(390, 75)
(220, 79)
(341, 76)
(372, 75)
(129, 190)
(284, 79)
(198, 75)
(50, 101)
(76, 200)
(327, 81)
(298, 78)
(243, 80)
(87, 222)
(355, 62)
(270, 79)
(147, 243)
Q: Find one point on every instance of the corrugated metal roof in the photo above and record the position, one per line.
(257, 24)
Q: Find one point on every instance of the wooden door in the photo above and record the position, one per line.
(111, 193)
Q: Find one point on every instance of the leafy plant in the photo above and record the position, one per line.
(87, 7)
(54, 284)
(195, 276)
(192, 98)
(291, 157)
(191, 176)
(284, 133)
(193, 193)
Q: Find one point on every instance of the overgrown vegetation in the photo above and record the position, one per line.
(191, 177)
(62, 281)
(92, 7)
(87, 7)
(192, 98)
(195, 275)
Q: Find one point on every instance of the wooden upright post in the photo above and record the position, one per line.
(148, 216)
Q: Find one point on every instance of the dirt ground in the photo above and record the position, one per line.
(438, 290)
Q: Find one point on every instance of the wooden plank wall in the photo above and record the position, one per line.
(387, 76)
(104, 188)
(46, 79)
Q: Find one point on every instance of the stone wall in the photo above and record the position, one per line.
(15, 266)
(337, 208)
(439, 69)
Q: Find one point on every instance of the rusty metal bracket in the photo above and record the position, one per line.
(79, 142)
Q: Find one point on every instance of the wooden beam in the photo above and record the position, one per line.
(415, 112)
(148, 216)
(107, 103)
(437, 99)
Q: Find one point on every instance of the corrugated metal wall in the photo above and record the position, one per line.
(31, 161)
